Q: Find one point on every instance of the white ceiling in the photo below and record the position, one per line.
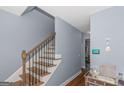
(18, 10)
(78, 16)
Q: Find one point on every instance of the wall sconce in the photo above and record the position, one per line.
(108, 48)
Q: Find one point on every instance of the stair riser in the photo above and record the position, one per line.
(48, 54)
(46, 64)
(47, 58)
(48, 50)
(43, 68)
(37, 76)
(50, 57)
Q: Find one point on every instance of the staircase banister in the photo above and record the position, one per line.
(50, 34)
(33, 56)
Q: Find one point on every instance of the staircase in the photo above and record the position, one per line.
(38, 64)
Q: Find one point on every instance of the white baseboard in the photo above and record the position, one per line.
(70, 79)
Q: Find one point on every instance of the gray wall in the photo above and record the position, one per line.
(68, 44)
(108, 24)
(18, 33)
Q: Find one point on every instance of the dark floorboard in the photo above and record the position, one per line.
(78, 81)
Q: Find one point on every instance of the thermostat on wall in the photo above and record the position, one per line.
(95, 51)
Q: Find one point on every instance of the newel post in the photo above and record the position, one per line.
(24, 56)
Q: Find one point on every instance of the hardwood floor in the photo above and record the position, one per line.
(78, 81)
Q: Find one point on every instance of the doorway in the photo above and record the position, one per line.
(87, 54)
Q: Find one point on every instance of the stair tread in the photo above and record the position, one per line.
(52, 44)
(32, 80)
(50, 52)
(51, 47)
(19, 83)
(46, 64)
(47, 57)
(50, 58)
(37, 71)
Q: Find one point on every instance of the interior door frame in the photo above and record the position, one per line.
(87, 54)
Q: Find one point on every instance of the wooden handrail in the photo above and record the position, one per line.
(43, 40)
(35, 55)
